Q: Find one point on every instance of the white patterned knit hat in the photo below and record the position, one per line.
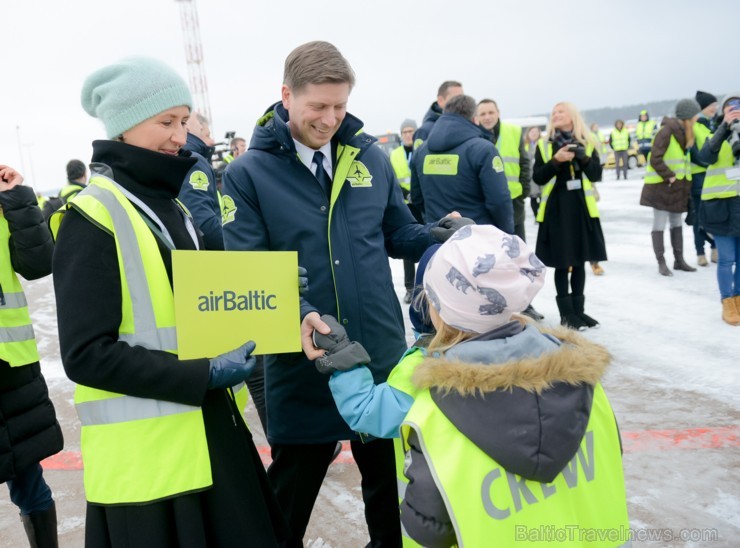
(481, 276)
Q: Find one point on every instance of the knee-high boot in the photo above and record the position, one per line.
(41, 528)
(677, 243)
(659, 249)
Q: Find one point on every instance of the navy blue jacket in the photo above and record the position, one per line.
(200, 195)
(478, 190)
(432, 115)
(720, 216)
(344, 242)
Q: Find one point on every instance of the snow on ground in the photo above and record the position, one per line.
(675, 366)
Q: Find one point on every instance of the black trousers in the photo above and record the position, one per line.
(297, 472)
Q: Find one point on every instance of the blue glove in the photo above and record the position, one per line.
(302, 280)
(233, 367)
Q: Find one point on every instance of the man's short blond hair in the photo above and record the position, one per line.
(316, 63)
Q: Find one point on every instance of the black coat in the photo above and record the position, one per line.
(29, 431)
(719, 216)
(568, 236)
(240, 503)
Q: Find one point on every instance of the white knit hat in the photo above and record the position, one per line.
(481, 276)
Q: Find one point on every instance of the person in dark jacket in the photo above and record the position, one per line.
(720, 212)
(76, 180)
(312, 181)
(29, 431)
(446, 91)
(570, 231)
(189, 474)
(668, 182)
(703, 127)
(459, 168)
(510, 398)
(199, 192)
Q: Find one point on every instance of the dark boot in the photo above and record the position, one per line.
(659, 249)
(578, 303)
(41, 528)
(568, 316)
(532, 313)
(677, 243)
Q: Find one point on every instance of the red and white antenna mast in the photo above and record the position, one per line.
(194, 57)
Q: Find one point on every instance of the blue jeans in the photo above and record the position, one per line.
(728, 248)
(29, 492)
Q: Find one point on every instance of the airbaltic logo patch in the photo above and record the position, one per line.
(228, 209)
(498, 164)
(358, 175)
(199, 180)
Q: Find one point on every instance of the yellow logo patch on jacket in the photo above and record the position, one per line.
(228, 210)
(199, 180)
(498, 164)
(358, 175)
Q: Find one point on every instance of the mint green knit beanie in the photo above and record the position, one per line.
(132, 90)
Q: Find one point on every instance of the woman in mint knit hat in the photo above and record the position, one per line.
(168, 459)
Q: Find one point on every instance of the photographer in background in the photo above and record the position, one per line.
(720, 211)
(570, 232)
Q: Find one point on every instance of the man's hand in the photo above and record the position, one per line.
(9, 178)
(447, 226)
(312, 321)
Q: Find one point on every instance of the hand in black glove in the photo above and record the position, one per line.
(447, 226)
(580, 153)
(341, 353)
(302, 280)
(233, 367)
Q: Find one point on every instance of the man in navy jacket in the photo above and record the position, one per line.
(459, 168)
(199, 193)
(313, 182)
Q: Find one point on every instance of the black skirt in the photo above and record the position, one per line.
(239, 509)
(568, 236)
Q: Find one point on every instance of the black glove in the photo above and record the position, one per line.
(302, 280)
(231, 368)
(580, 153)
(341, 353)
(447, 226)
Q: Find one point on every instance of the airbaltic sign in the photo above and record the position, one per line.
(225, 298)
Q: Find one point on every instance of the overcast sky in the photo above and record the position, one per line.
(525, 54)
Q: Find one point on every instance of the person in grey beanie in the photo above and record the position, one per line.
(668, 182)
(169, 460)
(401, 161)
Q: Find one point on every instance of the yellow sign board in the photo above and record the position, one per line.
(225, 298)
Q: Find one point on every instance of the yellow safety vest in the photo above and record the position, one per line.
(588, 189)
(509, 137)
(490, 506)
(401, 167)
(41, 200)
(701, 133)
(677, 161)
(70, 191)
(137, 450)
(17, 340)
(228, 158)
(644, 130)
(620, 139)
(716, 183)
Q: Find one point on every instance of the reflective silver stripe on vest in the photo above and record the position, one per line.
(510, 159)
(589, 192)
(731, 186)
(126, 409)
(512, 178)
(146, 333)
(716, 171)
(239, 386)
(16, 334)
(14, 300)
(674, 162)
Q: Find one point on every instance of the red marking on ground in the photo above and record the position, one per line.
(632, 442)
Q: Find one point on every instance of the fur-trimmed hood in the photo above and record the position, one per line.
(524, 400)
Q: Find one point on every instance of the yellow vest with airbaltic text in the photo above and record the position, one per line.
(490, 506)
(677, 161)
(17, 340)
(588, 189)
(137, 450)
(509, 138)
